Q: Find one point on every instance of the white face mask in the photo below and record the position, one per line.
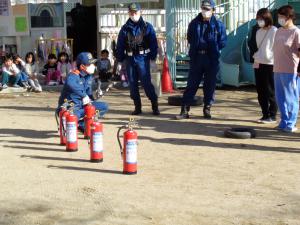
(282, 22)
(261, 23)
(135, 18)
(91, 69)
(206, 14)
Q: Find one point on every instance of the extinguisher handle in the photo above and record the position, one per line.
(119, 141)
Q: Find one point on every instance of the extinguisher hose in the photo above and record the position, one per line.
(119, 141)
(56, 118)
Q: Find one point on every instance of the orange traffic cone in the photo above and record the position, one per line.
(166, 82)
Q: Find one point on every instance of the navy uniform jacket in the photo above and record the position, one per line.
(209, 36)
(136, 29)
(76, 87)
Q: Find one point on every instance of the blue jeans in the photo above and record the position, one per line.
(287, 97)
(10, 79)
(138, 68)
(202, 67)
(23, 77)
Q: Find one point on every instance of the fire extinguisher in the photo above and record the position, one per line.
(129, 149)
(89, 113)
(96, 141)
(61, 122)
(71, 131)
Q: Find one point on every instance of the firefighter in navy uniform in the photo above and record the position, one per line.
(137, 46)
(78, 88)
(206, 36)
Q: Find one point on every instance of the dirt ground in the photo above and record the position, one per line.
(188, 173)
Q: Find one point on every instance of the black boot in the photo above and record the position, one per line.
(137, 108)
(155, 110)
(184, 113)
(206, 111)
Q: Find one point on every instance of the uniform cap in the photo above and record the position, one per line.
(208, 4)
(134, 7)
(85, 58)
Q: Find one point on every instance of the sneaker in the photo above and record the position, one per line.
(125, 84)
(99, 93)
(38, 90)
(4, 86)
(279, 128)
(184, 113)
(182, 116)
(16, 86)
(290, 130)
(268, 121)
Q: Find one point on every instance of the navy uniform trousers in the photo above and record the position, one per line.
(138, 68)
(202, 67)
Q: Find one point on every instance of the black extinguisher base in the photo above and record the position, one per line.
(129, 173)
(72, 150)
(96, 160)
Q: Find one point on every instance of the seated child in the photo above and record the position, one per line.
(10, 73)
(51, 72)
(64, 66)
(21, 66)
(32, 70)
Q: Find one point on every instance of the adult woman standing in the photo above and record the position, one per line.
(263, 66)
(286, 60)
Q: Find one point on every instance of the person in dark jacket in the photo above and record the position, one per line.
(137, 46)
(206, 36)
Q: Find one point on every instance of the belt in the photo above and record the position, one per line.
(141, 52)
(202, 52)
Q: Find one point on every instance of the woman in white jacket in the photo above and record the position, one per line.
(32, 70)
(263, 66)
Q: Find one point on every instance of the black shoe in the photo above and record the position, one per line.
(155, 110)
(184, 114)
(136, 112)
(206, 112)
(81, 129)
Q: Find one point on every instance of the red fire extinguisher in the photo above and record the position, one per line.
(89, 111)
(129, 149)
(96, 141)
(71, 131)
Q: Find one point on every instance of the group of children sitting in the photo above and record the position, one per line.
(19, 73)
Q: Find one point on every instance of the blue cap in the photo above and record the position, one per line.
(134, 7)
(208, 4)
(85, 58)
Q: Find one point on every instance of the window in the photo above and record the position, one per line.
(47, 15)
(4, 8)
